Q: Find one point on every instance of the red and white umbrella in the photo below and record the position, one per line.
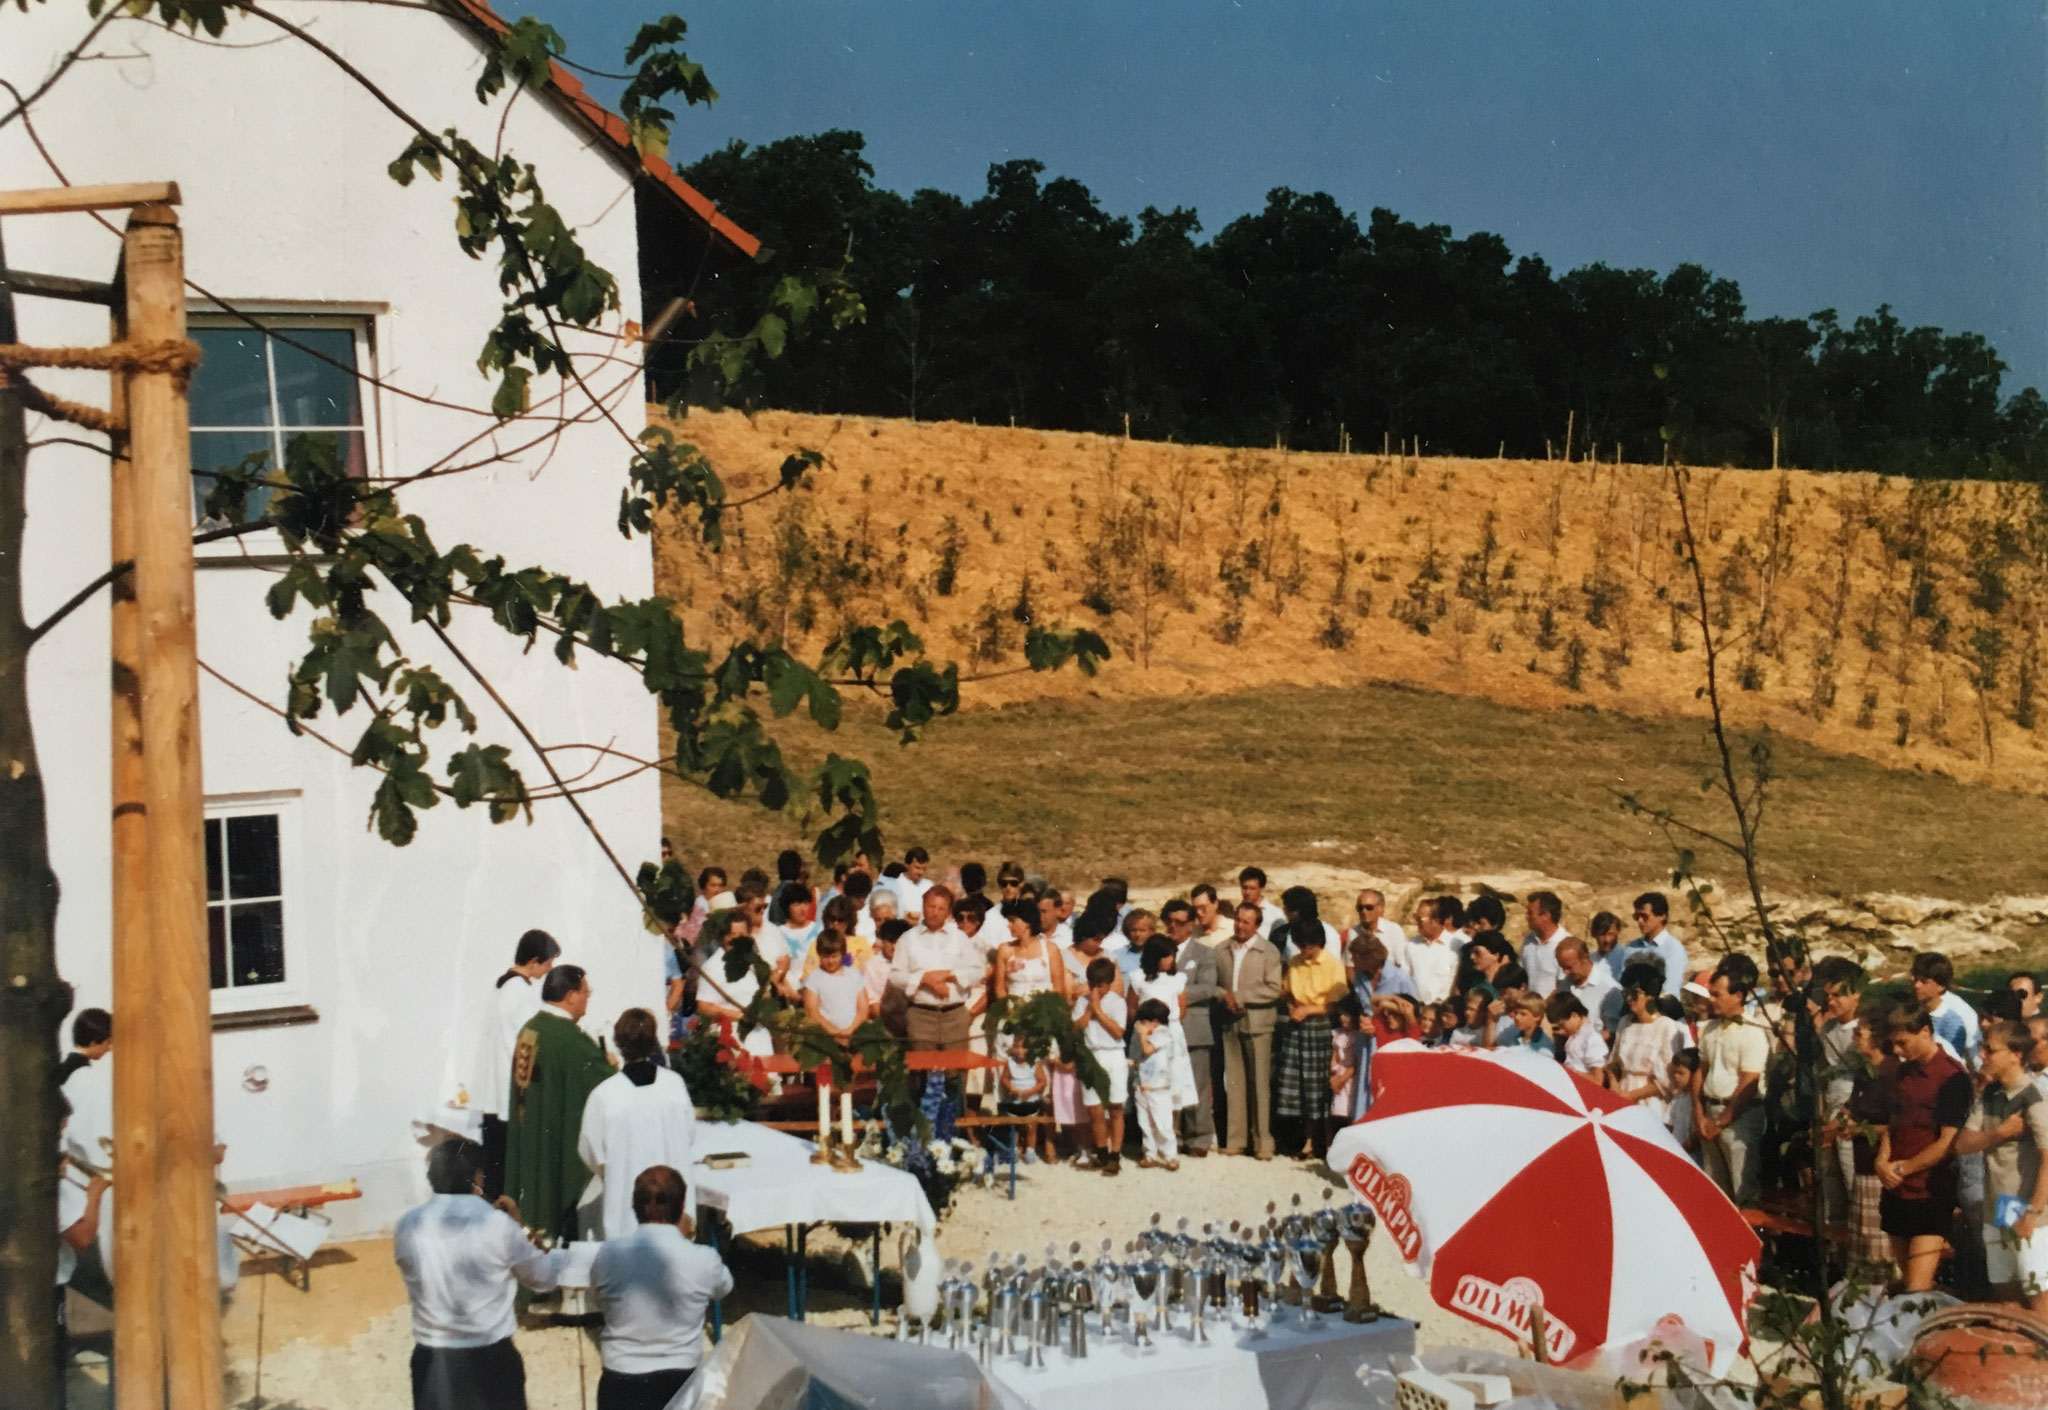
(1510, 1183)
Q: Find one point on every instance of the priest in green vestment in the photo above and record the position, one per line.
(555, 1064)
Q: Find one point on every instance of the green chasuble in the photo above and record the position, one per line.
(555, 1065)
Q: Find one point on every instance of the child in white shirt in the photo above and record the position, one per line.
(1585, 1051)
(1156, 1048)
(1101, 1013)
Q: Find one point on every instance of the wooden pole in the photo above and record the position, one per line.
(160, 445)
(138, 1260)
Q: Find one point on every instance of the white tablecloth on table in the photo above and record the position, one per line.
(1291, 1367)
(766, 1363)
(779, 1185)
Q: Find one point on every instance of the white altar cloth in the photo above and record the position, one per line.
(1291, 1367)
(779, 1185)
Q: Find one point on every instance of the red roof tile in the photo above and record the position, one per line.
(569, 94)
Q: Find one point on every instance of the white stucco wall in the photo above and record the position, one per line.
(287, 206)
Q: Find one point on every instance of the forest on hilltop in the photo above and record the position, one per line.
(1299, 326)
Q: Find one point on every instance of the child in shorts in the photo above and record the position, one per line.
(1102, 1015)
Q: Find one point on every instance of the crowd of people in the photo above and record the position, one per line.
(1245, 1024)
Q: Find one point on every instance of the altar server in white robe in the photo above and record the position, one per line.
(640, 1116)
(515, 1000)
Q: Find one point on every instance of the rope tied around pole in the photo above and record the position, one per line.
(175, 357)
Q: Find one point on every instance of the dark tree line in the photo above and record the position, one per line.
(1298, 324)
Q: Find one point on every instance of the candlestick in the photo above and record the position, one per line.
(846, 1119)
(824, 1111)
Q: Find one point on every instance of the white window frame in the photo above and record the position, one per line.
(284, 806)
(366, 322)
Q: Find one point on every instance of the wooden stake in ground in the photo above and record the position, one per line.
(160, 448)
(138, 1257)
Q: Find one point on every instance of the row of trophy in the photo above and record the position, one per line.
(1238, 1282)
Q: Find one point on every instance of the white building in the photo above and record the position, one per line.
(347, 971)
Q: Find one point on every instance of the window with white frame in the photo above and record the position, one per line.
(258, 389)
(245, 897)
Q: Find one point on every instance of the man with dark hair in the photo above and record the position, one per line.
(1298, 903)
(654, 1285)
(1652, 910)
(1955, 1022)
(640, 1116)
(2026, 992)
(1486, 915)
(1253, 979)
(973, 880)
(1212, 922)
(88, 1087)
(555, 1067)
(1840, 985)
(1916, 1163)
(1546, 933)
(789, 871)
(911, 883)
(513, 1000)
(463, 1262)
(1251, 890)
(1009, 880)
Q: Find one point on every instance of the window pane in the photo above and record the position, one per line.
(214, 872)
(252, 857)
(256, 938)
(216, 450)
(217, 941)
(231, 387)
(311, 390)
(343, 448)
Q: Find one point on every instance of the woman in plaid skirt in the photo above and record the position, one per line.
(1315, 983)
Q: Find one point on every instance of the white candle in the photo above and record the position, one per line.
(824, 1111)
(846, 1118)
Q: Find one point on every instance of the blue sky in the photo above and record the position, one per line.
(1825, 153)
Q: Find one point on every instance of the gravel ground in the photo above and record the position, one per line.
(345, 1345)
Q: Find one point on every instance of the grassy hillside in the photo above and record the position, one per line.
(1396, 665)
(1892, 620)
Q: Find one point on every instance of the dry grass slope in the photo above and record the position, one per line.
(1893, 620)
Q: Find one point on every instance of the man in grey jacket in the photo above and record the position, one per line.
(1197, 964)
(1250, 971)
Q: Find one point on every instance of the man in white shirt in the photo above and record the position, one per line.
(1432, 959)
(515, 1000)
(912, 885)
(1539, 951)
(1373, 920)
(654, 1287)
(1728, 1092)
(463, 1261)
(1251, 890)
(639, 1117)
(1590, 982)
(937, 968)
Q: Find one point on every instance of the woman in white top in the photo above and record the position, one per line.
(1156, 979)
(1028, 963)
(1644, 1045)
(729, 999)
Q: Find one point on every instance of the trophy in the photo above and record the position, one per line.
(1359, 1221)
(1275, 1256)
(1143, 1275)
(1076, 1303)
(1328, 1226)
(1250, 1261)
(1305, 1261)
(1106, 1276)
